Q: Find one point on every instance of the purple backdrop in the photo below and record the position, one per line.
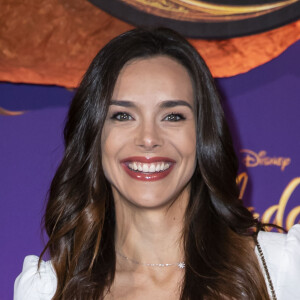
(262, 107)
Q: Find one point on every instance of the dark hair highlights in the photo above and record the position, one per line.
(79, 219)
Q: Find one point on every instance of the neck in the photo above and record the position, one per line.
(151, 235)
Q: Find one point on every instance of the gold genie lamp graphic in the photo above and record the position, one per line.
(193, 10)
(208, 19)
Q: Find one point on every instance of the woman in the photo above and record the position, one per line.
(144, 204)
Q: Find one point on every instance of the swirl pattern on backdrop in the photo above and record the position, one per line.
(205, 19)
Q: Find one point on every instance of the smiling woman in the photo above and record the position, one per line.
(144, 204)
(150, 132)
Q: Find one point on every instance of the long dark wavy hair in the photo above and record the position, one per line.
(80, 216)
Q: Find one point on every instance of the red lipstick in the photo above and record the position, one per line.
(147, 176)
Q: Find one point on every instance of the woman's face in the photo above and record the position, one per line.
(149, 136)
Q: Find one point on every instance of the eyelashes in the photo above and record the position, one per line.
(123, 116)
(174, 117)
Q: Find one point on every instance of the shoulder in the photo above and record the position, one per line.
(282, 255)
(276, 244)
(34, 283)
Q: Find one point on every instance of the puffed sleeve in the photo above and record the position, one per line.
(34, 284)
(282, 255)
(288, 280)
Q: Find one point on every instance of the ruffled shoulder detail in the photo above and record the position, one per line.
(289, 273)
(282, 255)
(35, 284)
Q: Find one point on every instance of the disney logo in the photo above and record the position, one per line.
(253, 159)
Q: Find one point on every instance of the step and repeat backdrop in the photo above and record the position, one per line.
(254, 58)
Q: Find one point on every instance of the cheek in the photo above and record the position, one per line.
(107, 142)
(186, 143)
(186, 146)
(108, 148)
(112, 142)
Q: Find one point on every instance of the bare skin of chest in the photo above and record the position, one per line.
(156, 284)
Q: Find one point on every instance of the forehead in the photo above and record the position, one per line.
(156, 78)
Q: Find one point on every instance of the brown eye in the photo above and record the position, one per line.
(122, 116)
(174, 117)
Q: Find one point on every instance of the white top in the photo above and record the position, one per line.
(281, 252)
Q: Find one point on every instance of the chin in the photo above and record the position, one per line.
(153, 199)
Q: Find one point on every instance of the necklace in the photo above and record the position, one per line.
(261, 255)
(180, 264)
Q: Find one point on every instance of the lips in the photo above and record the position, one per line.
(148, 169)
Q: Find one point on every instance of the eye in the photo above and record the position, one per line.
(122, 116)
(174, 117)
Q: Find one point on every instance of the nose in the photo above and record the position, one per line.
(148, 136)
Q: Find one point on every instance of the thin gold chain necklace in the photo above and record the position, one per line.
(180, 264)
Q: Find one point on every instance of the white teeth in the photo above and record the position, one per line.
(152, 168)
(140, 168)
(145, 168)
(149, 168)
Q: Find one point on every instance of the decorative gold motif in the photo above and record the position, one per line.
(193, 10)
(275, 213)
(234, 9)
(163, 5)
(253, 159)
(242, 181)
(6, 112)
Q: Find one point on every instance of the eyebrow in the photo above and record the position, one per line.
(164, 104)
(122, 103)
(173, 103)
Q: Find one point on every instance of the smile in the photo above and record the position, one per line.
(151, 168)
(148, 169)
